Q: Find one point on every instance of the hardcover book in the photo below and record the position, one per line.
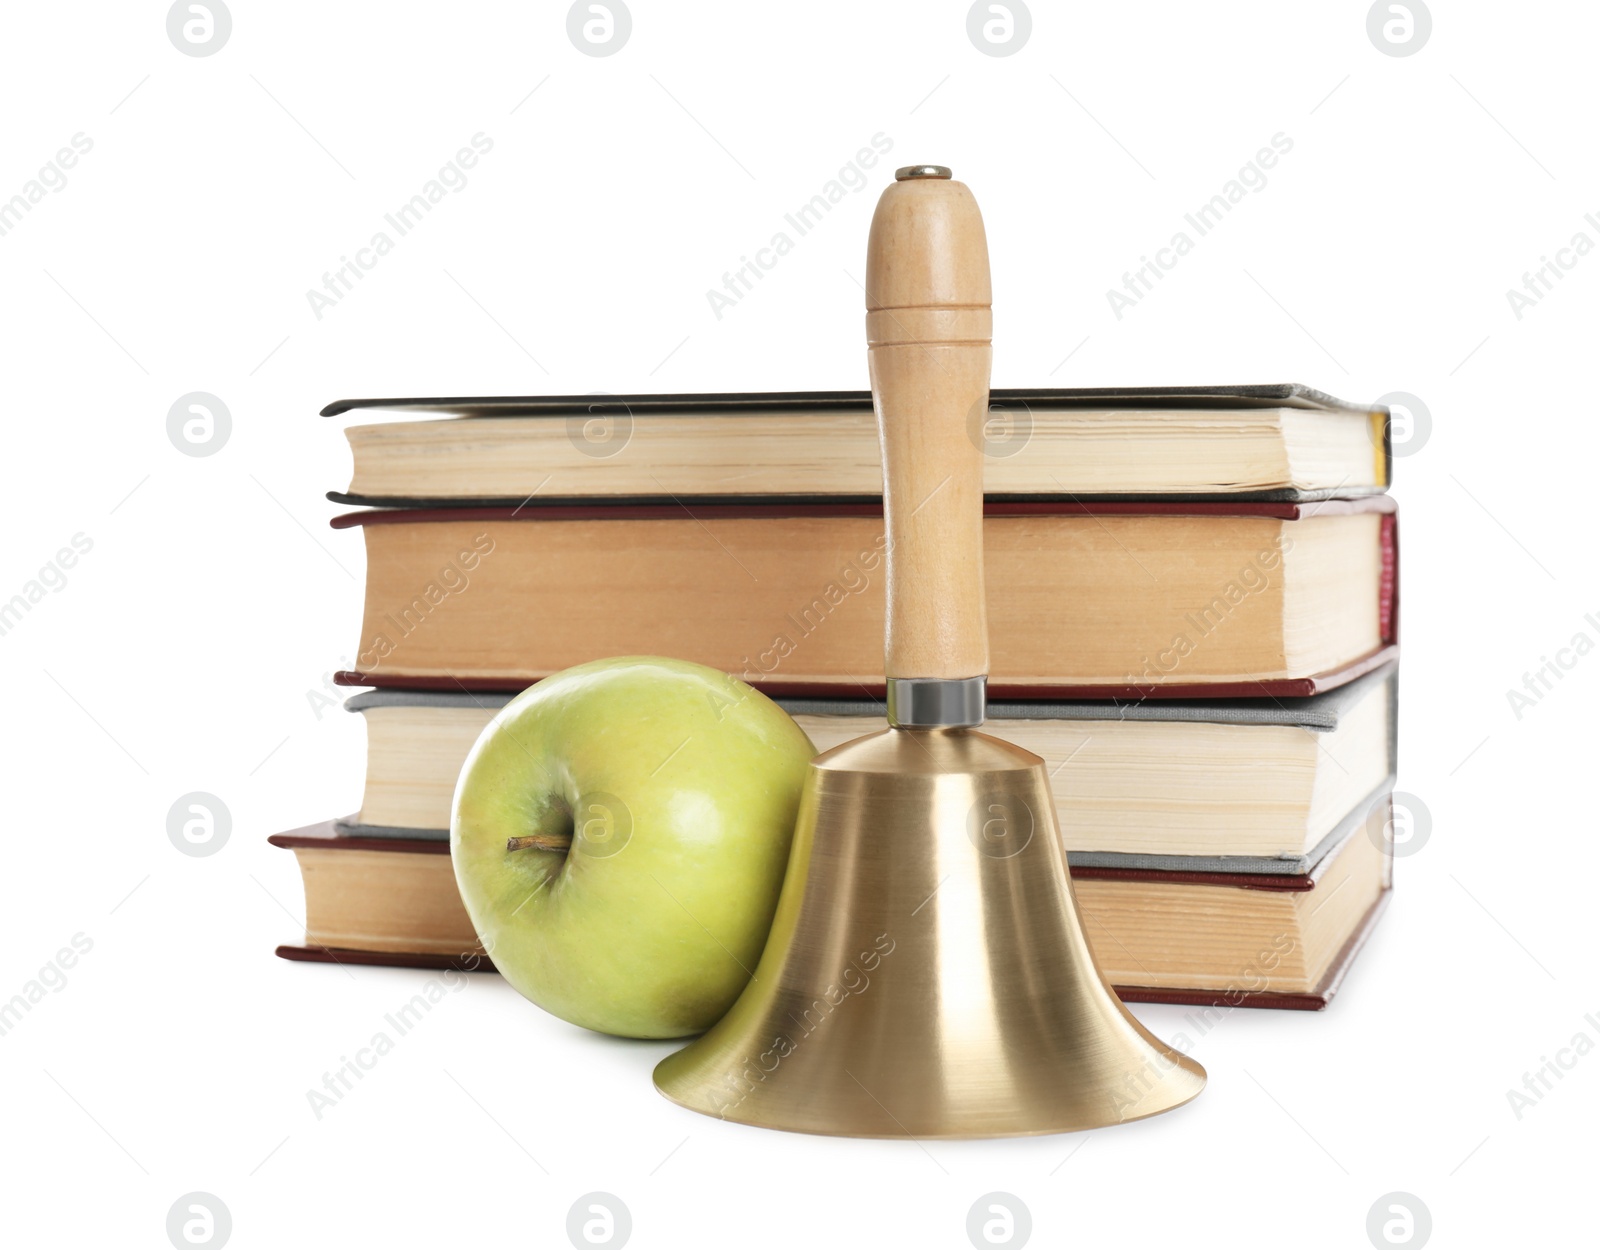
(1283, 442)
(1198, 938)
(1085, 601)
(1234, 786)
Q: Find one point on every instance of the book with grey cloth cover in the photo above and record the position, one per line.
(1316, 714)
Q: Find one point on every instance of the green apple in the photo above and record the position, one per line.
(619, 835)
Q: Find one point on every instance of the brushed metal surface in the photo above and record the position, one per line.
(936, 702)
(927, 974)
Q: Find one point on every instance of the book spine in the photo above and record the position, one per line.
(1388, 578)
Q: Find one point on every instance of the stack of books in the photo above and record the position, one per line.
(1192, 600)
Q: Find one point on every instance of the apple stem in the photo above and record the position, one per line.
(541, 842)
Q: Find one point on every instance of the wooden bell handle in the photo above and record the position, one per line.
(928, 332)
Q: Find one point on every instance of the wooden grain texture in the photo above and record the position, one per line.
(928, 332)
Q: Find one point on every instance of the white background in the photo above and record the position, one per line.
(179, 655)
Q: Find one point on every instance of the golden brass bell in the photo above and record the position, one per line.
(926, 975)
